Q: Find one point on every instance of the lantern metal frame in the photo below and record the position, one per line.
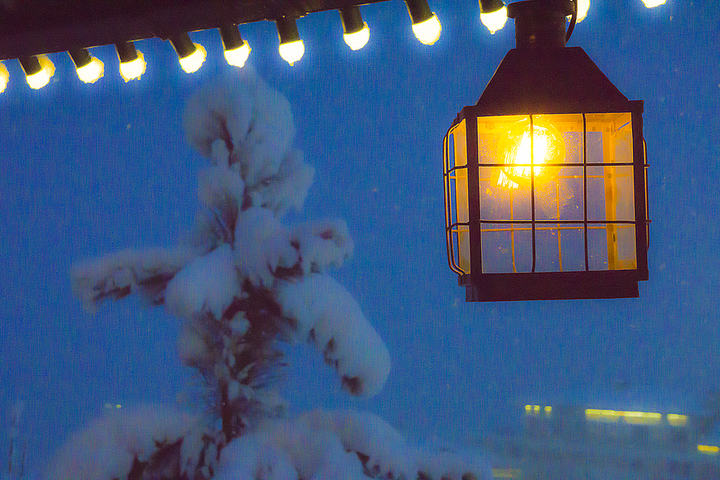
(536, 80)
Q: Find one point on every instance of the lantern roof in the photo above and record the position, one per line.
(549, 80)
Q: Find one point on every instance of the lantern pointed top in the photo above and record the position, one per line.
(543, 75)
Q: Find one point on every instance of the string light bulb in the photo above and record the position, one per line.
(582, 9)
(4, 77)
(425, 24)
(291, 47)
(88, 68)
(190, 55)
(38, 70)
(356, 33)
(653, 3)
(493, 14)
(236, 50)
(132, 61)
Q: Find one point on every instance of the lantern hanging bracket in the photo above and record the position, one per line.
(541, 23)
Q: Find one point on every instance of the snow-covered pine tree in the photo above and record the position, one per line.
(243, 283)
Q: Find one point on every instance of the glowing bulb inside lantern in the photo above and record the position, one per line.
(494, 21)
(528, 153)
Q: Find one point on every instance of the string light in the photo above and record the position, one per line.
(355, 32)
(132, 61)
(38, 70)
(291, 47)
(425, 24)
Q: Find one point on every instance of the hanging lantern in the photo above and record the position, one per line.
(545, 177)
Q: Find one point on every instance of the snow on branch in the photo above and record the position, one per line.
(253, 121)
(113, 446)
(335, 445)
(129, 271)
(327, 315)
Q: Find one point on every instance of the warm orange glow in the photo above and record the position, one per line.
(526, 153)
(4, 77)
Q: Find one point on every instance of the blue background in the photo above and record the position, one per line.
(91, 169)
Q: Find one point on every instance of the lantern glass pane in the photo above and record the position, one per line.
(610, 190)
(506, 247)
(457, 197)
(560, 247)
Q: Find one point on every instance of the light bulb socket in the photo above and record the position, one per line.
(30, 65)
(126, 52)
(419, 10)
(230, 36)
(80, 57)
(540, 23)
(287, 30)
(182, 45)
(490, 6)
(352, 20)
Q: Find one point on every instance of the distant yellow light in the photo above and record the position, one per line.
(238, 56)
(630, 417)
(133, 69)
(41, 78)
(506, 473)
(548, 410)
(494, 21)
(194, 61)
(357, 40)
(292, 52)
(4, 77)
(677, 420)
(653, 3)
(708, 449)
(642, 418)
(427, 31)
(92, 72)
(528, 408)
(602, 415)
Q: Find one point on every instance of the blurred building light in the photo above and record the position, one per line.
(88, 68)
(493, 14)
(653, 3)
(132, 61)
(677, 420)
(4, 77)
(708, 449)
(191, 55)
(236, 50)
(38, 70)
(548, 410)
(425, 24)
(630, 417)
(355, 32)
(291, 47)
